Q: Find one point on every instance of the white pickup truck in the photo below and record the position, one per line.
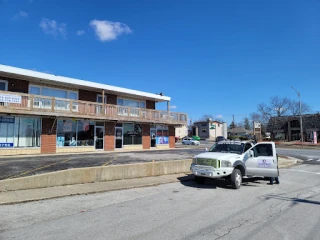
(232, 160)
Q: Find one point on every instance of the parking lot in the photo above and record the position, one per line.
(13, 167)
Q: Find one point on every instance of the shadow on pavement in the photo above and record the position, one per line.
(188, 181)
(293, 200)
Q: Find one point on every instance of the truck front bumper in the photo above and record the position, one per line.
(210, 172)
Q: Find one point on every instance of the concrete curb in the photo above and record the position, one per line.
(96, 174)
(107, 173)
(23, 196)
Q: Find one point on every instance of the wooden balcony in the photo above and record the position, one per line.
(48, 106)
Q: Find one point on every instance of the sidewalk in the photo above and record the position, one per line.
(12, 197)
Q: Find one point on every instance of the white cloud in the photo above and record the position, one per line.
(80, 32)
(173, 107)
(108, 31)
(53, 28)
(20, 14)
(219, 116)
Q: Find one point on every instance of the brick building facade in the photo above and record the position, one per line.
(287, 128)
(44, 113)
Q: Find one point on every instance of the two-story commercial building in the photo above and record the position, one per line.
(45, 113)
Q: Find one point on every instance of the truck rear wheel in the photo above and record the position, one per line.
(236, 178)
(199, 180)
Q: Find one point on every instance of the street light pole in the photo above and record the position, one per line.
(301, 131)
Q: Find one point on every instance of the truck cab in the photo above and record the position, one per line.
(233, 160)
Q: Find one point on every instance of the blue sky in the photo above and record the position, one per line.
(211, 57)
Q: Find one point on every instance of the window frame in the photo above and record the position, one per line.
(130, 99)
(5, 84)
(40, 87)
(100, 95)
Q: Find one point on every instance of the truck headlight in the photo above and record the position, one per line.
(194, 160)
(226, 164)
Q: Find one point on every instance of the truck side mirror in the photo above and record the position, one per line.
(251, 153)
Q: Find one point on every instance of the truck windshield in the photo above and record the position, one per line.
(228, 147)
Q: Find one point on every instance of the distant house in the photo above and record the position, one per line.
(239, 131)
(181, 131)
(209, 129)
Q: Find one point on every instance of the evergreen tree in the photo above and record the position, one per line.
(246, 123)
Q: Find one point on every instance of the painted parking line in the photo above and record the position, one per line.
(39, 168)
(110, 161)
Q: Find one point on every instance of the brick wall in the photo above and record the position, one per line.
(146, 141)
(109, 136)
(172, 142)
(48, 140)
(150, 104)
(15, 85)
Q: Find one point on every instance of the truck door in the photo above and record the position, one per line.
(264, 161)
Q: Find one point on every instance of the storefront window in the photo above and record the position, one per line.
(27, 132)
(6, 131)
(132, 134)
(20, 132)
(162, 134)
(66, 132)
(85, 133)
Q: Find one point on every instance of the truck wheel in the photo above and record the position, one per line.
(236, 179)
(199, 180)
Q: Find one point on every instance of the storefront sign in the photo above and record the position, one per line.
(6, 120)
(9, 98)
(6, 145)
(315, 137)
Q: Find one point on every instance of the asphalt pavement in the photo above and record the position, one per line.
(309, 156)
(180, 210)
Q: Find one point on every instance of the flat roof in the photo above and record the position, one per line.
(78, 82)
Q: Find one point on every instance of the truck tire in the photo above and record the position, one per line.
(199, 180)
(236, 179)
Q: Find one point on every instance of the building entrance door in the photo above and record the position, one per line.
(118, 137)
(99, 134)
(153, 134)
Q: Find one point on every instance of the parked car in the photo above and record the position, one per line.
(196, 138)
(190, 141)
(220, 138)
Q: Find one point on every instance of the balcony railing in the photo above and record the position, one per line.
(20, 103)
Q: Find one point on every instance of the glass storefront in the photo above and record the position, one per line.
(159, 134)
(132, 134)
(19, 132)
(75, 132)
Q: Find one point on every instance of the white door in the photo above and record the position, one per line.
(264, 161)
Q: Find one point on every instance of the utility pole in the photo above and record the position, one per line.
(301, 129)
(233, 125)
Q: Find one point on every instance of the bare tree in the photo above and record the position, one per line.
(239, 124)
(205, 117)
(294, 108)
(277, 107)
